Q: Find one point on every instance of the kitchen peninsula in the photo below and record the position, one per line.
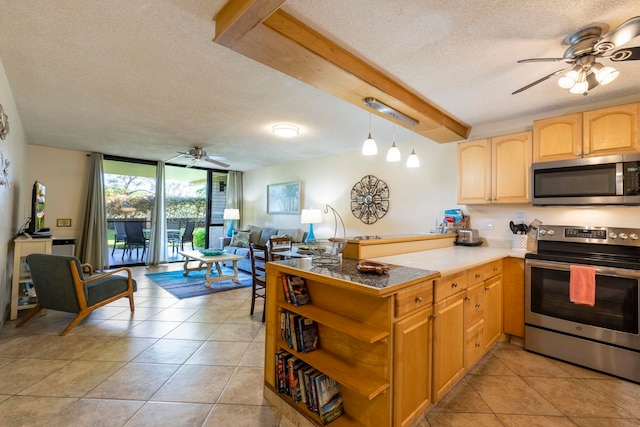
(395, 342)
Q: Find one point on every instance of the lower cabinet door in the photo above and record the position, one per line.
(474, 348)
(448, 343)
(412, 381)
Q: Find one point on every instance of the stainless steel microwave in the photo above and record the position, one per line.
(607, 180)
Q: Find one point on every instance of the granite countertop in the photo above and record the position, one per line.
(450, 260)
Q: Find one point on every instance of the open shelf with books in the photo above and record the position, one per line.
(357, 328)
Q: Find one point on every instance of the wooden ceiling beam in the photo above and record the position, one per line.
(284, 43)
(238, 17)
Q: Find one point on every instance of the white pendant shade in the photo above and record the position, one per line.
(369, 148)
(413, 161)
(393, 155)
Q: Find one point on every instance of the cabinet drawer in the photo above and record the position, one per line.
(475, 275)
(492, 269)
(474, 344)
(415, 298)
(449, 285)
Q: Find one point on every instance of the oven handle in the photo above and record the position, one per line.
(603, 271)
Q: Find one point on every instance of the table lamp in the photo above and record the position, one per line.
(311, 216)
(231, 214)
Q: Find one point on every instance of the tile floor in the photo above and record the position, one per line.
(199, 362)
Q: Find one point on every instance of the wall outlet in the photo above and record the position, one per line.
(487, 224)
(520, 216)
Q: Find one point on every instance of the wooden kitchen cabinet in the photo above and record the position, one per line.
(448, 344)
(601, 132)
(474, 314)
(374, 341)
(513, 296)
(493, 327)
(495, 170)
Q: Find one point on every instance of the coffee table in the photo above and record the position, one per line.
(207, 262)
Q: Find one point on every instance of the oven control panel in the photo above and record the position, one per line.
(602, 235)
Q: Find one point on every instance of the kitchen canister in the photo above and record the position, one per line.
(519, 242)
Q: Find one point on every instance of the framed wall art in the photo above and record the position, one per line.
(283, 198)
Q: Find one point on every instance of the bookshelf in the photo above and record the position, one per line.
(24, 246)
(375, 342)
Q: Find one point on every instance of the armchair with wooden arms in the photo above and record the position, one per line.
(62, 283)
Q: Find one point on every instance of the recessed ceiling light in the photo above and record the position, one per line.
(286, 131)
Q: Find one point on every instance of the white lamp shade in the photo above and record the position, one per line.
(231, 214)
(369, 148)
(393, 155)
(311, 216)
(413, 161)
(606, 75)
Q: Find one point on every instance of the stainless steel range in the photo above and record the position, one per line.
(604, 337)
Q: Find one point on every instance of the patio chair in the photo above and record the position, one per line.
(135, 238)
(259, 256)
(120, 234)
(173, 232)
(187, 236)
(62, 285)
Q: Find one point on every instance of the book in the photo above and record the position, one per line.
(298, 290)
(330, 405)
(285, 286)
(308, 333)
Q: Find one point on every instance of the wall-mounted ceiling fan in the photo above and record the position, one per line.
(585, 46)
(198, 153)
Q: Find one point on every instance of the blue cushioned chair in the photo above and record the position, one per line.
(62, 283)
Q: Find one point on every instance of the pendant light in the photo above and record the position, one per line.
(393, 155)
(369, 148)
(413, 161)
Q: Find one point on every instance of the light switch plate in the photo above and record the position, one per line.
(520, 216)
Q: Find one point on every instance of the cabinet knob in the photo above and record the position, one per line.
(477, 345)
(418, 299)
(467, 298)
(495, 268)
(432, 317)
(477, 275)
(454, 285)
(477, 305)
(486, 289)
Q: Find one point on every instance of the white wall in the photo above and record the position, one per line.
(14, 149)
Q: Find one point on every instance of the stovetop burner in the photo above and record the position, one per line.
(597, 246)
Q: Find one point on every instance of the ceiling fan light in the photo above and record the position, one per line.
(369, 148)
(580, 88)
(569, 79)
(393, 155)
(413, 161)
(606, 75)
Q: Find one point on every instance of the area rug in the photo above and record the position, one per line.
(192, 285)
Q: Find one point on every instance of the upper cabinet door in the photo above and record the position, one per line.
(511, 164)
(611, 130)
(557, 138)
(474, 172)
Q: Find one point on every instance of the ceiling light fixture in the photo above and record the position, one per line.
(393, 155)
(389, 111)
(413, 161)
(286, 131)
(369, 147)
(587, 74)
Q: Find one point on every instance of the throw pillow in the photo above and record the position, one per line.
(266, 235)
(240, 239)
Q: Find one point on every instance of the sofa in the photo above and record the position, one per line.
(238, 244)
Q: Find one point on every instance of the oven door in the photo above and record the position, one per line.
(613, 319)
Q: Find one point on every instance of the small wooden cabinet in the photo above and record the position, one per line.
(21, 279)
(467, 322)
(513, 296)
(495, 170)
(601, 132)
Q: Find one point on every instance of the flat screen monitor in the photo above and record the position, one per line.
(37, 224)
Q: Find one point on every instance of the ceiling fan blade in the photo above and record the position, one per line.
(626, 54)
(522, 89)
(174, 157)
(542, 60)
(191, 163)
(626, 32)
(216, 162)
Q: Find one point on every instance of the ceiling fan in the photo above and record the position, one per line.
(198, 153)
(586, 45)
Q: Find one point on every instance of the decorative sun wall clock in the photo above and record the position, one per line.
(370, 199)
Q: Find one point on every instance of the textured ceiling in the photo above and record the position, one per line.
(143, 78)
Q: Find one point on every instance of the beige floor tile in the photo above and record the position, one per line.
(121, 349)
(135, 381)
(151, 329)
(97, 413)
(462, 398)
(490, 365)
(579, 371)
(235, 332)
(245, 387)
(23, 373)
(24, 346)
(605, 422)
(73, 379)
(106, 328)
(195, 383)
(623, 393)
(32, 411)
(453, 419)
(160, 302)
(69, 347)
(169, 414)
(169, 351)
(575, 399)
(196, 302)
(5, 361)
(510, 395)
(241, 315)
(254, 355)
(211, 315)
(173, 314)
(245, 416)
(108, 311)
(140, 313)
(534, 421)
(524, 363)
(219, 353)
(193, 331)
